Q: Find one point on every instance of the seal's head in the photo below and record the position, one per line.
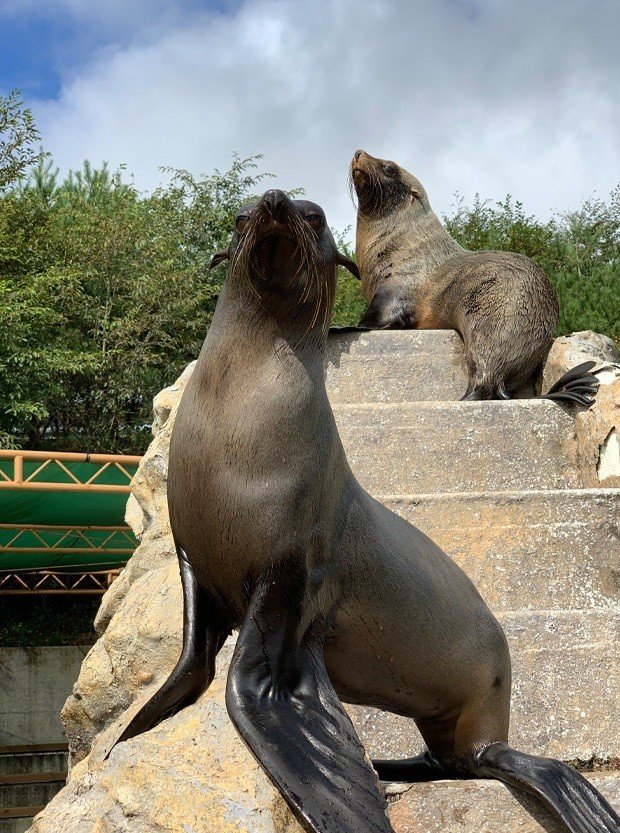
(286, 251)
(383, 187)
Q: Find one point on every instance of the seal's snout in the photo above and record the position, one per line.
(359, 164)
(275, 202)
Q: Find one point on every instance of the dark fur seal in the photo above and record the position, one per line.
(336, 597)
(414, 274)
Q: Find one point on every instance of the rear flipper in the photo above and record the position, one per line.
(576, 387)
(203, 637)
(561, 789)
(284, 706)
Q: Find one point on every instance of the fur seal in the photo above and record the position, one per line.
(415, 275)
(336, 597)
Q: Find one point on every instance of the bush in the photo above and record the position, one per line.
(104, 296)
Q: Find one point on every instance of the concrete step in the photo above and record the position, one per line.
(33, 762)
(566, 678)
(30, 793)
(441, 346)
(535, 550)
(430, 447)
(479, 807)
(395, 366)
(16, 825)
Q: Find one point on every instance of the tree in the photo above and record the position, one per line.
(105, 295)
(18, 138)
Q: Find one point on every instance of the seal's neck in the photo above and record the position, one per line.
(431, 244)
(258, 328)
(403, 244)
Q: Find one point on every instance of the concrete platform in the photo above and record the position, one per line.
(460, 446)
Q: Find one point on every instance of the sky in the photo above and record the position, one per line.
(472, 96)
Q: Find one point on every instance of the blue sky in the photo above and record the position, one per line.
(30, 53)
(489, 96)
(43, 42)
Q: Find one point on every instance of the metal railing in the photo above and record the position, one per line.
(56, 461)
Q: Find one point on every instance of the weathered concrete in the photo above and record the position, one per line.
(442, 348)
(402, 366)
(15, 825)
(527, 550)
(29, 795)
(34, 683)
(460, 446)
(481, 806)
(33, 762)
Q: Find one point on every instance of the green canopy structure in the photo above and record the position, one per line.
(64, 512)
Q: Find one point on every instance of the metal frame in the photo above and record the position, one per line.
(51, 583)
(61, 533)
(58, 459)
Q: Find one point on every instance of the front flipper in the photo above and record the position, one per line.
(203, 636)
(284, 706)
(388, 311)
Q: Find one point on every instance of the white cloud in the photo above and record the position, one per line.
(494, 96)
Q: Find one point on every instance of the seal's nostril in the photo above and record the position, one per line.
(274, 200)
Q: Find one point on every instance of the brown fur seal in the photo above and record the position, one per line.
(336, 597)
(414, 274)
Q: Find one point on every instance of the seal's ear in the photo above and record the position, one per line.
(218, 257)
(349, 264)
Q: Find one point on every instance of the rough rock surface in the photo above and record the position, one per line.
(193, 774)
(598, 429)
(189, 775)
(481, 806)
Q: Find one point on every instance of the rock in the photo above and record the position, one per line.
(192, 774)
(598, 428)
(569, 351)
(481, 806)
(598, 432)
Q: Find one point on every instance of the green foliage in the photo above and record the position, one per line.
(105, 295)
(580, 251)
(349, 303)
(18, 137)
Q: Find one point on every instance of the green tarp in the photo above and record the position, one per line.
(50, 508)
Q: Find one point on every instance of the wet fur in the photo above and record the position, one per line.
(415, 275)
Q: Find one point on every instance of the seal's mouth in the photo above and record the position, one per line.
(361, 179)
(275, 237)
(362, 175)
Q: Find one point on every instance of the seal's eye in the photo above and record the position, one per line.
(314, 219)
(241, 220)
(389, 170)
